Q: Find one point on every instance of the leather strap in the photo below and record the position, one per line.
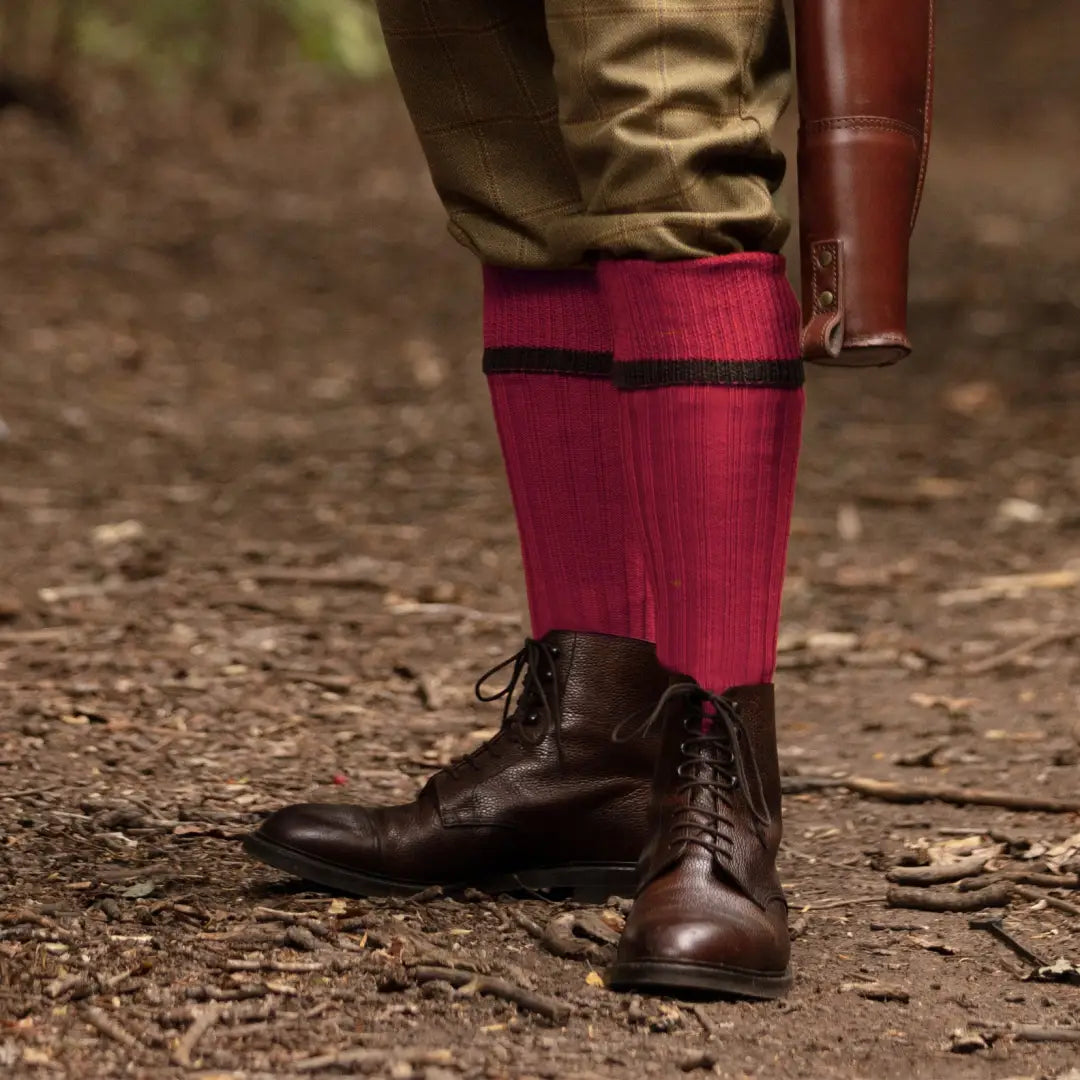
(823, 329)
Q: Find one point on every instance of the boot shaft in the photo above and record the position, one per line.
(592, 682)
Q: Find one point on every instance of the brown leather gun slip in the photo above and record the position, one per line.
(865, 80)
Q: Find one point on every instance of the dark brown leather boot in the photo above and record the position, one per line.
(710, 914)
(550, 803)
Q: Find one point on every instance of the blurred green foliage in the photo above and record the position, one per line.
(338, 33)
(174, 40)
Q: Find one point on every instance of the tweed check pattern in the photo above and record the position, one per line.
(560, 132)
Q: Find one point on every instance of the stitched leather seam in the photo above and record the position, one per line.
(864, 123)
(928, 109)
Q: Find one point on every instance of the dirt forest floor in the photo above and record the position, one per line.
(255, 543)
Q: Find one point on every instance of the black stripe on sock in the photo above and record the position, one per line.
(529, 361)
(765, 374)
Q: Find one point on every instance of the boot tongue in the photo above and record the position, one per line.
(697, 799)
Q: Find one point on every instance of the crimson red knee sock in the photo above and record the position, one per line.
(547, 355)
(711, 408)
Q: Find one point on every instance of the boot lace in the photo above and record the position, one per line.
(539, 706)
(714, 763)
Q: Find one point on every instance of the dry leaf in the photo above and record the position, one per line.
(1061, 971)
(1020, 511)
(978, 397)
(1061, 856)
(953, 706)
(963, 1041)
(849, 525)
(139, 890)
(613, 919)
(939, 487)
(832, 641)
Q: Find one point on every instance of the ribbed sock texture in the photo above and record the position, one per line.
(559, 432)
(712, 464)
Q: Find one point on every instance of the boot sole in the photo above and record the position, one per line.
(714, 979)
(589, 883)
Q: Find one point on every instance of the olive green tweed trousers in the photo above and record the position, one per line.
(559, 132)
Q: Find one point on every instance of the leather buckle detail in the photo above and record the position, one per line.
(823, 321)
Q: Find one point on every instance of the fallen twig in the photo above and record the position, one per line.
(38, 636)
(241, 993)
(337, 684)
(1035, 1033)
(843, 901)
(284, 967)
(107, 1026)
(996, 928)
(876, 991)
(1002, 659)
(299, 936)
(1021, 877)
(425, 896)
(1010, 585)
(293, 918)
(411, 607)
(803, 785)
(26, 792)
(992, 896)
(940, 873)
(1045, 881)
(1049, 901)
(704, 1019)
(362, 1057)
(556, 1011)
(332, 579)
(72, 986)
(891, 791)
(204, 1020)
(529, 925)
(370, 1059)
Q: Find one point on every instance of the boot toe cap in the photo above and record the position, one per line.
(743, 939)
(331, 831)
